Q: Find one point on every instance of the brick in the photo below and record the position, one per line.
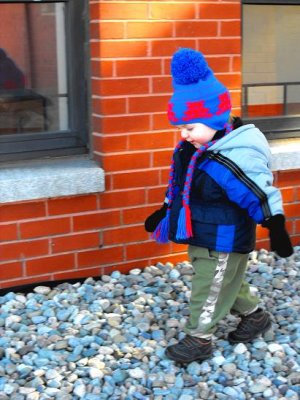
(135, 179)
(295, 240)
(148, 104)
(162, 85)
(125, 162)
(145, 250)
(50, 264)
(17, 212)
(160, 122)
(220, 46)
(157, 195)
(138, 67)
(179, 248)
(100, 257)
(162, 158)
(8, 232)
(78, 274)
(297, 226)
(150, 140)
(102, 69)
(124, 86)
(288, 195)
(236, 64)
(125, 198)
(15, 284)
(261, 233)
(165, 173)
(108, 181)
(292, 210)
(75, 242)
(138, 214)
(236, 98)
(149, 29)
(72, 205)
(288, 178)
(107, 30)
(115, 10)
(109, 106)
(118, 49)
(111, 143)
(219, 64)
(220, 11)
(134, 123)
(46, 227)
(196, 28)
(231, 81)
(230, 28)
(23, 249)
(10, 270)
(96, 220)
(160, 10)
(168, 47)
(124, 235)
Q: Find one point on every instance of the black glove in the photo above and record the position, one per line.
(154, 219)
(279, 238)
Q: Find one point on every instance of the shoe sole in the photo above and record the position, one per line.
(198, 359)
(233, 341)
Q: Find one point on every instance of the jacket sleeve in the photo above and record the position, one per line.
(248, 182)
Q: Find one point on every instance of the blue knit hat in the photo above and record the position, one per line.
(198, 95)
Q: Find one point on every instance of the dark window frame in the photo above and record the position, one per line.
(287, 126)
(75, 140)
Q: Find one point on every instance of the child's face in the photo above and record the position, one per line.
(197, 134)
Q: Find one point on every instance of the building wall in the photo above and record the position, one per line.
(131, 46)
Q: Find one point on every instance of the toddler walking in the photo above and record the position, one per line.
(220, 187)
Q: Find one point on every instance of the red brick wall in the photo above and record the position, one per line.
(131, 47)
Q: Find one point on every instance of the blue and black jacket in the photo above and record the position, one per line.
(231, 191)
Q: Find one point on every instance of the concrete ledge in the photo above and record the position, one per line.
(66, 176)
(286, 154)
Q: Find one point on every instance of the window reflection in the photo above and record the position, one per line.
(271, 57)
(33, 80)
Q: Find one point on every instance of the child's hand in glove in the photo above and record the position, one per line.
(154, 219)
(279, 238)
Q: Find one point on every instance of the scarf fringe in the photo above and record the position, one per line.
(161, 233)
(184, 225)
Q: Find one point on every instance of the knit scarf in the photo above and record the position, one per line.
(184, 224)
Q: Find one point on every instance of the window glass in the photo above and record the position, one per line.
(271, 59)
(33, 68)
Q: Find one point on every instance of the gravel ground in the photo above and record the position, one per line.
(105, 339)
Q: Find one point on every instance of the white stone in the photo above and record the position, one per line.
(240, 349)
(273, 347)
(137, 373)
(95, 373)
(42, 290)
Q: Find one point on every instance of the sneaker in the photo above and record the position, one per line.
(189, 349)
(251, 326)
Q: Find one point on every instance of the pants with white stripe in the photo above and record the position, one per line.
(218, 287)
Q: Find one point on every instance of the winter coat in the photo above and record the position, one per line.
(231, 191)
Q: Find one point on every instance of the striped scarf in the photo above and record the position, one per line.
(184, 225)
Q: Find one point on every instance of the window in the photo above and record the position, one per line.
(271, 59)
(43, 90)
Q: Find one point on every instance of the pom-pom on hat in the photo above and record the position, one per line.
(198, 95)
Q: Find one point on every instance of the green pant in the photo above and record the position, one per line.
(218, 287)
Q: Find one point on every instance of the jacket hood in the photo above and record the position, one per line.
(246, 136)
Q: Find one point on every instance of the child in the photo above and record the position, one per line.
(220, 187)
